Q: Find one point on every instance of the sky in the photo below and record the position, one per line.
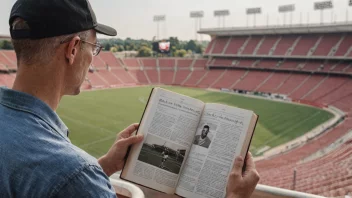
(134, 18)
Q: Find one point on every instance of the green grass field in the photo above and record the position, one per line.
(94, 118)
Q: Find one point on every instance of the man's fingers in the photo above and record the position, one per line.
(237, 166)
(129, 130)
(249, 162)
(131, 140)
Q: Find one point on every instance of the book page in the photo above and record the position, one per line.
(169, 126)
(219, 140)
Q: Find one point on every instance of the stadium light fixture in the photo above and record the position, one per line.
(253, 11)
(285, 9)
(197, 15)
(221, 14)
(323, 5)
(158, 19)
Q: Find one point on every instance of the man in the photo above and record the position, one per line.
(165, 156)
(55, 42)
(203, 139)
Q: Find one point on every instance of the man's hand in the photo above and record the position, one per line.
(114, 160)
(242, 185)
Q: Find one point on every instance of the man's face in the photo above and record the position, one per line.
(81, 65)
(205, 132)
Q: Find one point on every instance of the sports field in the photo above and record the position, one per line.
(95, 117)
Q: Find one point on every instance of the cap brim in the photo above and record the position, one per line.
(106, 30)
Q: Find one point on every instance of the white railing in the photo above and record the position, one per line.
(268, 190)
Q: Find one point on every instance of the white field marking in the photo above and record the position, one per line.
(101, 129)
(97, 141)
(292, 127)
(84, 114)
(142, 100)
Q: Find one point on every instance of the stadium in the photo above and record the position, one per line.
(297, 78)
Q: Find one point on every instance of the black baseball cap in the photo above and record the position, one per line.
(50, 18)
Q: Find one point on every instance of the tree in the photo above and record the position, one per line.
(180, 53)
(191, 45)
(6, 45)
(113, 49)
(144, 52)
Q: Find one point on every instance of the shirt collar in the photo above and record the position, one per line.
(28, 103)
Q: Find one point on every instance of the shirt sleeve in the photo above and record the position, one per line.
(91, 181)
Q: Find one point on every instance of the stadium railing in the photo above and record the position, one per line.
(130, 190)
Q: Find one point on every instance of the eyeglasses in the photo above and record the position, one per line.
(97, 46)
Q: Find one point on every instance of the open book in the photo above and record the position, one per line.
(189, 146)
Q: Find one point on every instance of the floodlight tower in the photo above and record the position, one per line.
(197, 15)
(253, 11)
(323, 5)
(285, 9)
(221, 14)
(158, 19)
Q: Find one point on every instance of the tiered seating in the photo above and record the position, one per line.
(98, 63)
(326, 44)
(96, 80)
(195, 77)
(312, 65)
(210, 45)
(245, 63)
(167, 62)
(307, 86)
(110, 59)
(210, 78)
(326, 87)
(327, 175)
(221, 62)
(139, 76)
(7, 80)
(344, 46)
(153, 76)
(252, 80)
(344, 103)
(131, 62)
(328, 66)
(289, 64)
(200, 63)
(341, 92)
(148, 62)
(181, 76)
(109, 77)
(273, 83)
(229, 78)
(166, 77)
(11, 55)
(267, 44)
(124, 76)
(305, 44)
(291, 83)
(182, 63)
(235, 44)
(267, 64)
(251, 45)
(220, 45)
(340, 67)
(6, 61)
(285, 44)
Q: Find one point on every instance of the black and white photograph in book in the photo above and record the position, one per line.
(162, 154)
(204, 135)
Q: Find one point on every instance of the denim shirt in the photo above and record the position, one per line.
(36, 157)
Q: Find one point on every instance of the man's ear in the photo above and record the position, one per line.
(72, 49)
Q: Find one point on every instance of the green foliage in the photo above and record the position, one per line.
(144, 52)
(180, 53)
(135, 45)
(5, 44)
(94, 117)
